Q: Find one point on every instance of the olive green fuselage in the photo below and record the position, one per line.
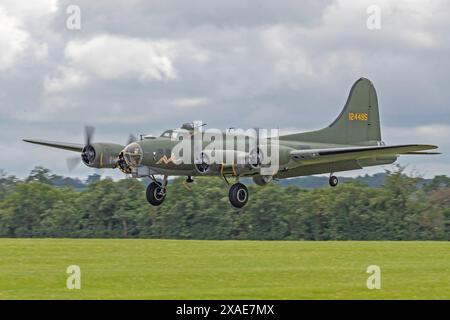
(158, 155)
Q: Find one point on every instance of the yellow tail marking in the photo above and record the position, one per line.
(358, 116)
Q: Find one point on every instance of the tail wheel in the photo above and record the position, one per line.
(155, 193)
(333, 181)
(238, 195)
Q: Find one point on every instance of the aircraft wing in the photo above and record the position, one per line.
(346, 153)
(77, 147)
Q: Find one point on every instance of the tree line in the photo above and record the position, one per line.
(403, 209)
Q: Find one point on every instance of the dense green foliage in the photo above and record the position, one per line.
(401, 210)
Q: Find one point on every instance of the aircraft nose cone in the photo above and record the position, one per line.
(133, 154)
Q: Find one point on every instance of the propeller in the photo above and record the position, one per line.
(88, 135)
(131, 138)
(88, 152)
(73, 162)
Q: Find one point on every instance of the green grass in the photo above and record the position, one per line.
(172, 269)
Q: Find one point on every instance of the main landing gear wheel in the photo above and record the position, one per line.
(333, 181)
(155, 193)
(238, 195)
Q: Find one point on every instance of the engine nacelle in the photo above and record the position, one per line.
(262, 180)
(222, 161)
(202, 163)
(101, 155)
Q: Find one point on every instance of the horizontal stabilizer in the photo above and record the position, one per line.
(421, 152)
(336, 154)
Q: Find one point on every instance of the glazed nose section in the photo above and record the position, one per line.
(133, 154)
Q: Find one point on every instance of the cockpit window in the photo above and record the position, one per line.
(167, 134)
(176, 134)
(171, 134)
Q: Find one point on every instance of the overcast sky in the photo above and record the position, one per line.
(144, 66)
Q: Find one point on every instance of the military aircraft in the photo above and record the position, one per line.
(350, 142)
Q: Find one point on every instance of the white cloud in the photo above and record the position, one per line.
(13, 39)
(150, 65)
(40, 50)
(190, 102)
(108, 57)
(19, 21)
(30, 10)
(112, 57)
(431, 134)
(343, 42)
(68, 78)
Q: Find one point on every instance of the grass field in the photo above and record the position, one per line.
(171, 269)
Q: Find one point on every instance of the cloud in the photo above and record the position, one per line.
(431, 134)
(108, 57)
(68, 78)
(13, 39)
(111, 57)
(144, 66)
(30, 10)
(190, 102)
(20, 21)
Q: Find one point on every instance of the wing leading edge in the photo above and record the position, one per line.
(77, 147)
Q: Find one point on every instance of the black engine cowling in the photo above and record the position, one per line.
(262, 180)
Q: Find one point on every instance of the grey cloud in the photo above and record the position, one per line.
(257, 63)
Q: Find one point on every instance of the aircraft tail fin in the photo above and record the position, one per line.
(358, 122)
